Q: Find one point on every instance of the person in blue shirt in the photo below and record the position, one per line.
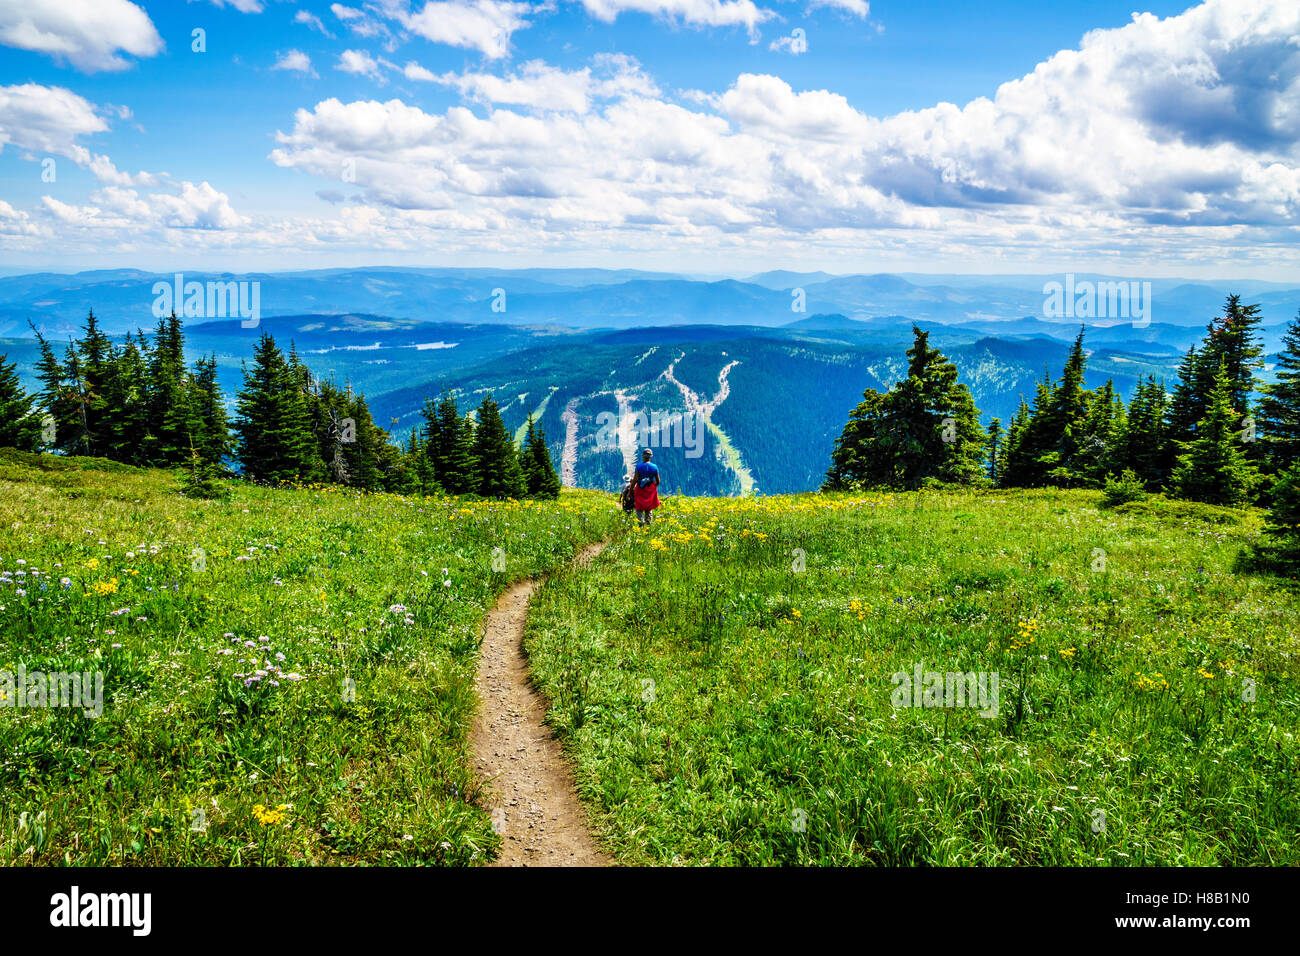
(645, 492)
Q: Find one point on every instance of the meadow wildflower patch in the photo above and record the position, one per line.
(1157, 691)
(228, 634)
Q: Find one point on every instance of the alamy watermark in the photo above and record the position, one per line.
(655, 430)
(951, 689)
(1122, 299)
(215, 299)
(129, 910)
(40, 690)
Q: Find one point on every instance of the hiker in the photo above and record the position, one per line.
(627, 497)
(646, 492)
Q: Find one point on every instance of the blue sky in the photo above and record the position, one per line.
(683, 134)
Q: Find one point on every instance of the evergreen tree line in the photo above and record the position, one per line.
(139, 403)
(1220, 435)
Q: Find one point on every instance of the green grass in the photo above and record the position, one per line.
(723, 707)
(317, 571)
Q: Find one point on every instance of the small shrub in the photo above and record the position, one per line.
(1127, 487)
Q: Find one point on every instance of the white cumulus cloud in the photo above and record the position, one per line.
(92, 35)
(483, 25)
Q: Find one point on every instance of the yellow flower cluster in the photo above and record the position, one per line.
(267, 817)
(103, 588)
(1026, 635)
(1154, 682)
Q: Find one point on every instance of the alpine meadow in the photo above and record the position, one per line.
(448, 436)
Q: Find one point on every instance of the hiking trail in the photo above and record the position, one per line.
(527, 779)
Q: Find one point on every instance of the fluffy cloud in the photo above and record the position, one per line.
(295, 61)
(483, 25)
(47, 119)
(1175, 137)
(543, 87)
(1111, 135)
(712, 13)
(187, 206)
(1189, 119)
(358, 22)
(360, 63)
(858, 8)
(89, 34)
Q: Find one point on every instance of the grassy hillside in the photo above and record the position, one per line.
(725, 707)
(107, 568)
(723, 681)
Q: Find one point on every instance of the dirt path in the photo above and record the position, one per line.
(529, 781)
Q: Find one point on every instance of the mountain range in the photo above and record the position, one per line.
(771, 386)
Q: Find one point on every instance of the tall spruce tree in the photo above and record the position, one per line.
(1279, 409)
(1283, 524)
(452, 450)
(20, 422)
(1141, 444)
(995, 438)
(1032, 443)
(1212, 467)
(1099, 436)
(211, 438)
(128, 413)
(171, 419)
(540, 480)
(54, 396)
(495, 456)
(1231, 341)
(925, 427)
(273, 424)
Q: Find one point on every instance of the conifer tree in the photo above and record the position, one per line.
(1012, 462)
(171, 422)
(995, 437)
(1142, 442)
(451, 449)
(127, 407)
(1099, 435)
(925, 427)
(1283, 524)
(211, 440)
(1279, 409)
(1231, 340)
(856, 461)
(54, 396)
(495, 457)
(20, 422)
(540, 480)
(1212, 466)
(365, 453)
(274, 428)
